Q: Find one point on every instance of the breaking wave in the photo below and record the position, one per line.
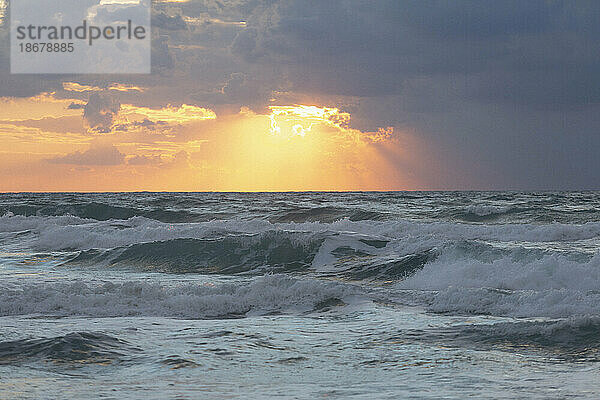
(550, 286)
(264, 295)
(67, 232)
(518, 270)
(271, 251)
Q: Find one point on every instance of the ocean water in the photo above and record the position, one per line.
(300, 295)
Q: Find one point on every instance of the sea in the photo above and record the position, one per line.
(365, 295)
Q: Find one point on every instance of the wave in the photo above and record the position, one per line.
(478, 207)
(76, 347)
(348, 256)
(358, 266)
(357, 250)
(104, 212)
(272, 251)
(98, 211)
(572, 339)
(488, 213)
(18, 223)
(482, 213)
(176, 362)
(60, 233)
(328, 215)
(519, 270)
(264, 295)
(551, 286)
(575, 334)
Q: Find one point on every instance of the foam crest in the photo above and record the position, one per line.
(275, 293)
(483, 210)
(18, 223)
(68, 232)
(551, 286)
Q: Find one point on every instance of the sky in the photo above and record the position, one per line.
(275, 95)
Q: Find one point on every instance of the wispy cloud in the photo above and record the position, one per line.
(103, 155)
(119, 87)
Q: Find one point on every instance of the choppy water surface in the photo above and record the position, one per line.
(365, 295)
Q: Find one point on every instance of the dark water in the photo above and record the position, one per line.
(399, 295)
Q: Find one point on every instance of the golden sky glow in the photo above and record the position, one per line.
(45, 146)
(77, 87)
(169, 114)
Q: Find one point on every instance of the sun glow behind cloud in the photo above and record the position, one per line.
(169, 114)
(216, 21)
(189, 147)
(303, 147)
(77, 87)
(303, 117)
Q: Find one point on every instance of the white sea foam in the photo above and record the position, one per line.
(469, 275)
(483, 210)
(552, 303)
(275, 293)
(549, 272)
(551, 286)
(57, 233)
(18, 223)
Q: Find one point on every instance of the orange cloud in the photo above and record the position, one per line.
(169, 114)
(292, 147)
(37, 107)
(120, 87)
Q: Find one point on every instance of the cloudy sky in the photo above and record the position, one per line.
(321, 95)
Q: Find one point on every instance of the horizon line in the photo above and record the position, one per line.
(304, 191)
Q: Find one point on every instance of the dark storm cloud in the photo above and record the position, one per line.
(534, 51)
(338, 47)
